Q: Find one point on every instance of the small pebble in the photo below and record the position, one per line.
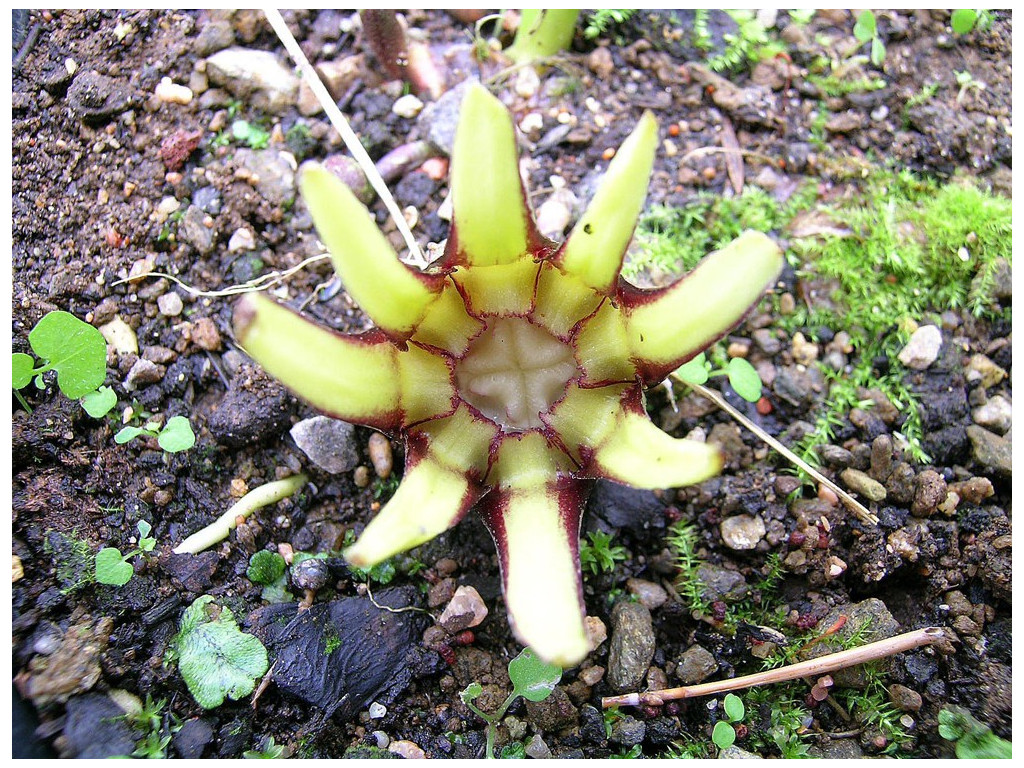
(242, 239)
(170, 92)
(742, 532)
(407, 749)
(407, 106)
(376, 710)
(923, 348)
(205, 334)
(379, 449)
(466, 609)
(170, 304)
(311, 574)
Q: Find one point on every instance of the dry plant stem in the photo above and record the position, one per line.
(347, 134)
(262, 283)
(219, 529)
(812, 668)
(855, 506)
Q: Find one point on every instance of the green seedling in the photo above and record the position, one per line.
(67, 345)
(249, 134)
(175, 436)
(603, 19)
(965, 20)
(269, 570)
(866, 30)
(967, 83)
(742, 376)
(974, 740)
(113, 568)
(99, 403)
(724, 733)
(598, 555)
(270, 750)
(532, 679)
(215, 658)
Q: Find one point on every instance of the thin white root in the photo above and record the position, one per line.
(219, 529)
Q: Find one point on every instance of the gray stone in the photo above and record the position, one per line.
(930, 492)
(631, 646)
(737, 753)
(695, 665)
(721, 584)
(991, 450)
(96, 98)
(170, 304)
(742, 532)
(554, 713)
(647, 592)
(195, 232)
(144, 372)
(628, 731)
(216, 35)
(995, 415)
(793, 385)
(274, 173)
(254, 75)
(872, 620)
(923, 348)
(537, 748)
(439, 118)
(328, 443)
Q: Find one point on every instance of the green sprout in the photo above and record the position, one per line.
(249, 134)
(724, 733)
(514, 367)
(866, 30)
(974, 740)
(742, 376)
(598, 555)
(532, 679)
(965, 20)
(69, 346)
(602, 19)
(113, 568)
(175, 436)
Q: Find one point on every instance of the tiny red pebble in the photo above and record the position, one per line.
(673, 130)
(465, 637)
(608, 154)
(709, 173)
(436, 168)
(764, 406)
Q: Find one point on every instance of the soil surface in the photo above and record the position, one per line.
(116, 177)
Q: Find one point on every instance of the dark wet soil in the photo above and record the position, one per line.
(110, 182)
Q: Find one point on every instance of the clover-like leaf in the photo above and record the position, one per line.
(177, 435)
(724, 735)
(111, 567)
(73, 348)
(99, 403)
(694, 371)
(127, 434)
(733, 706)
(532, 677)
(215, 658)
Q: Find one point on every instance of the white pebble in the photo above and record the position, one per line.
(170, 92)
(407, 106)
(241, 240)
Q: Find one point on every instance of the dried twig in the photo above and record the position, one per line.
(812, 667)
(347, 134)
(855, 506)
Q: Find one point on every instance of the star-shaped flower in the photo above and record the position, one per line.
(513, 367)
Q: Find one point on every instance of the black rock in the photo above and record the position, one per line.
(415, 189)
(340, 656)
(192, 738)
(621, 506)
(255, 408)
(235, 737)
(95, 728)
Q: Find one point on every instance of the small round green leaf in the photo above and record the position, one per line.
(76, 350)
(734, 708)
(962, 20)
(99, 403)
(532, 678)
(866, 26)
(694, 371)
(744, 379)
(22, 366)
(724, 735)
(127, 434)
(877, 51)
(471, 692)
(177, 435)
(111, 567)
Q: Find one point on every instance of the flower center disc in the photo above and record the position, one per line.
(513, 372)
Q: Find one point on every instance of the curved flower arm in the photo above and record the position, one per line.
(394, 295)
(355, 378)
